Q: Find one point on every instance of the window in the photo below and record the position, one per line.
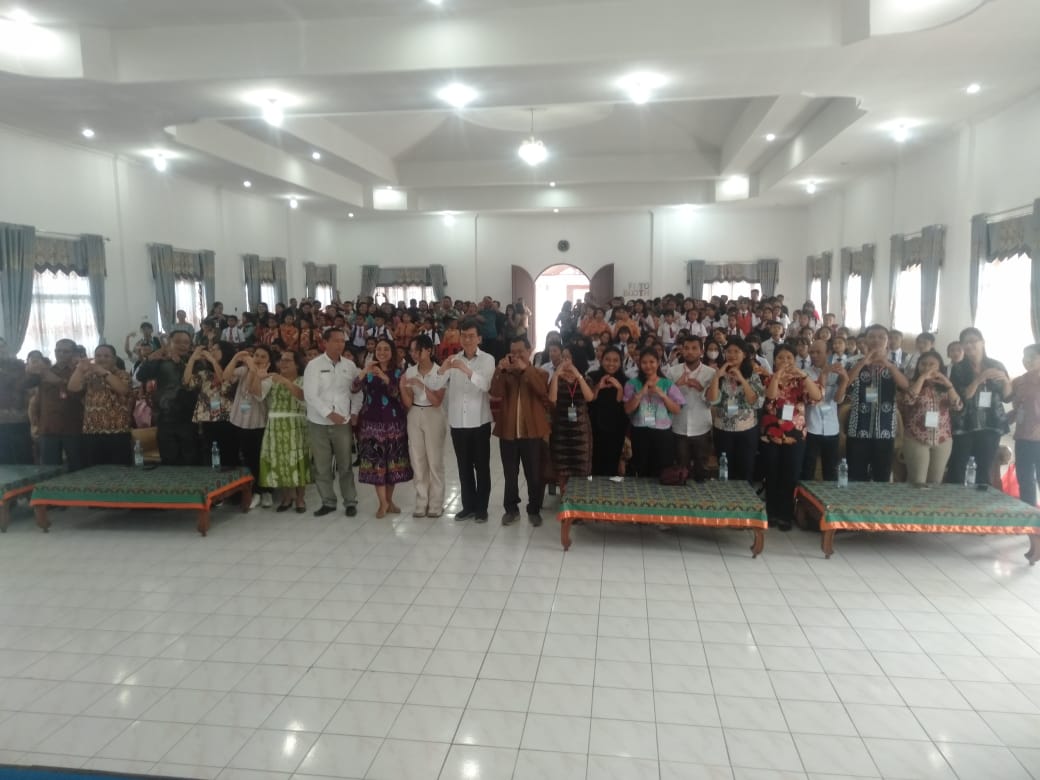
(852, 297)
(908, 302)
(732, 290)
(322, 292)
(267, 295)
(190, 296)
(60, 310)
(1003, 313)
(393, 293)
(816, 295)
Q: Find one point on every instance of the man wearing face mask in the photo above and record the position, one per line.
(711, 354)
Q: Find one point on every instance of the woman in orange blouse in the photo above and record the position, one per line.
(288, 333)
(782, 440)
(404, 331)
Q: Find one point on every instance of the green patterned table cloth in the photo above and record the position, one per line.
(15, 480)
(163, 487)
(711, 504)
(872, 506)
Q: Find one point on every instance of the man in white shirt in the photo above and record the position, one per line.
(468, 375)
(692, 426)
(332, 411)
(822, 427)
(233, 334)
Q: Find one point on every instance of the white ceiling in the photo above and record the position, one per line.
(826, 77)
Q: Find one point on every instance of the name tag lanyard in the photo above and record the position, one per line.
(572, 412)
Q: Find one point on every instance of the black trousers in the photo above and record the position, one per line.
(870, 460)
(178, 443)
(15, 444)
(606, 452)
(1027, 467)
(226, 436)
(52, 447)
(740, 447)
(250, 440)
(529, 453)
(108, 449)
(824, 448)
(782, 464)
(652, 450)
(473, 454)
(980, 444)
(694, 452)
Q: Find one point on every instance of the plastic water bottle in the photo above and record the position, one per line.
(843, 473)
(214, 456)
(723, 468)
(138, 454)
(970, 472)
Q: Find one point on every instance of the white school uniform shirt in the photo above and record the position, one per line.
(695, 329)
(821, 419)
(233, 335)
(667, 331)
(432, 381)
(694, 419)
(468, 403)
(327, 389)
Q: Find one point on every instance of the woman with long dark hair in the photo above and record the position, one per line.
(383, 427)
(982, 384)
(205, 373)
(249, 410)
(570, 442)
(607, 413)
(651, 400)
(736, 393)
(782, 437)
(926, 408)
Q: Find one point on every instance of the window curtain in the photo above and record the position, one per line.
(1034, 281)
(933, 252)
(17, 246)
(438, 280)
(818, 267)
(319, 274)
(695, 277)
(369, 280)
(859, 262)
(992, 241)
(768, 275)
(281, 280)
(733, 272)
(165, 273)
(207, 260)
(251, 268)
(83, 256)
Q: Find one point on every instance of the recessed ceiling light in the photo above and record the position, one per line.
(435, 2)
(686, 208)
(552, 184)
(901, 134)
(160, 162)
(640, 86)
(770, 137)
(21, 16)
(247, 184)
(315, 155)
(448, 219)
(350, 215)
(735, 187)
(810, 187)
(458, 95)
(273, 113)
(973, 89)
(87, 132)
(293, 203)
(556, 211)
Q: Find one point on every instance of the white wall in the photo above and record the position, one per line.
(68, 189)
(986, 166)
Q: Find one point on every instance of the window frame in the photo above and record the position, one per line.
(37, 332)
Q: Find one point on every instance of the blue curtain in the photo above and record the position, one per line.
(16, 281)
(695, 278)
(165, 274)
(768, 276)
(251, 270)
(438, 281)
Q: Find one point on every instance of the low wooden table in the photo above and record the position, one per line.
(17, 481)
(158, 487)
(932, 509)
(706, 504)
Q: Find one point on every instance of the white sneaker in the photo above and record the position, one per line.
(266, 501)
(255, 502)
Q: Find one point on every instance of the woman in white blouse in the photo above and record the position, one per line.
(422, 392)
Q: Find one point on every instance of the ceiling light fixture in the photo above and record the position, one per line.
(435, 2)
(552, 184)
(735, 187)
(87, 132)
(556, 211)
(457, 95)
(532, 151)
(901, 134)
(293, 203)
(973, 89)
(350, 215)
(247, 184)
(21, 36)
(315, 155)
(810, 187)
(640, 86)
(448, 218)
(160, 162)
(272, 112)
(770, 137)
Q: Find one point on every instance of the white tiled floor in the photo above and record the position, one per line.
(285, 646)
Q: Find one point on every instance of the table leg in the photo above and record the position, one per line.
(5, 514)
(203, 524)
(759, 544)
(41, 518)
(1034, 550)
(827, 543)
(247, 496)
(565, 534)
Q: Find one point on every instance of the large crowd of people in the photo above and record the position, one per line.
(308, 392)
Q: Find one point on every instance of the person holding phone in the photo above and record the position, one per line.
(926, 407)
(106, 410)
(736, 394)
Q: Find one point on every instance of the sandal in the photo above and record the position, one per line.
(283, 507)
(301, 508)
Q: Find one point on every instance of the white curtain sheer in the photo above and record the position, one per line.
(853, 317)
(61, 309)
(732, 290)
(403, 292)
(190, 295)
(1004, 309)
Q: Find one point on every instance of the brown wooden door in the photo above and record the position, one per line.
(602, 285)
(523, 287)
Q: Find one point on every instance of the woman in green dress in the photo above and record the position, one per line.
(285, 459)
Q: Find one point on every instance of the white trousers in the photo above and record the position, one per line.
(427, 429)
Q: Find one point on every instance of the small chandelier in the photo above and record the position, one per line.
(532, 151)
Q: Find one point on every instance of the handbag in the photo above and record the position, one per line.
(674, 475)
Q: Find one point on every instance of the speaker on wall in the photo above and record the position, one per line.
(563, 244)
